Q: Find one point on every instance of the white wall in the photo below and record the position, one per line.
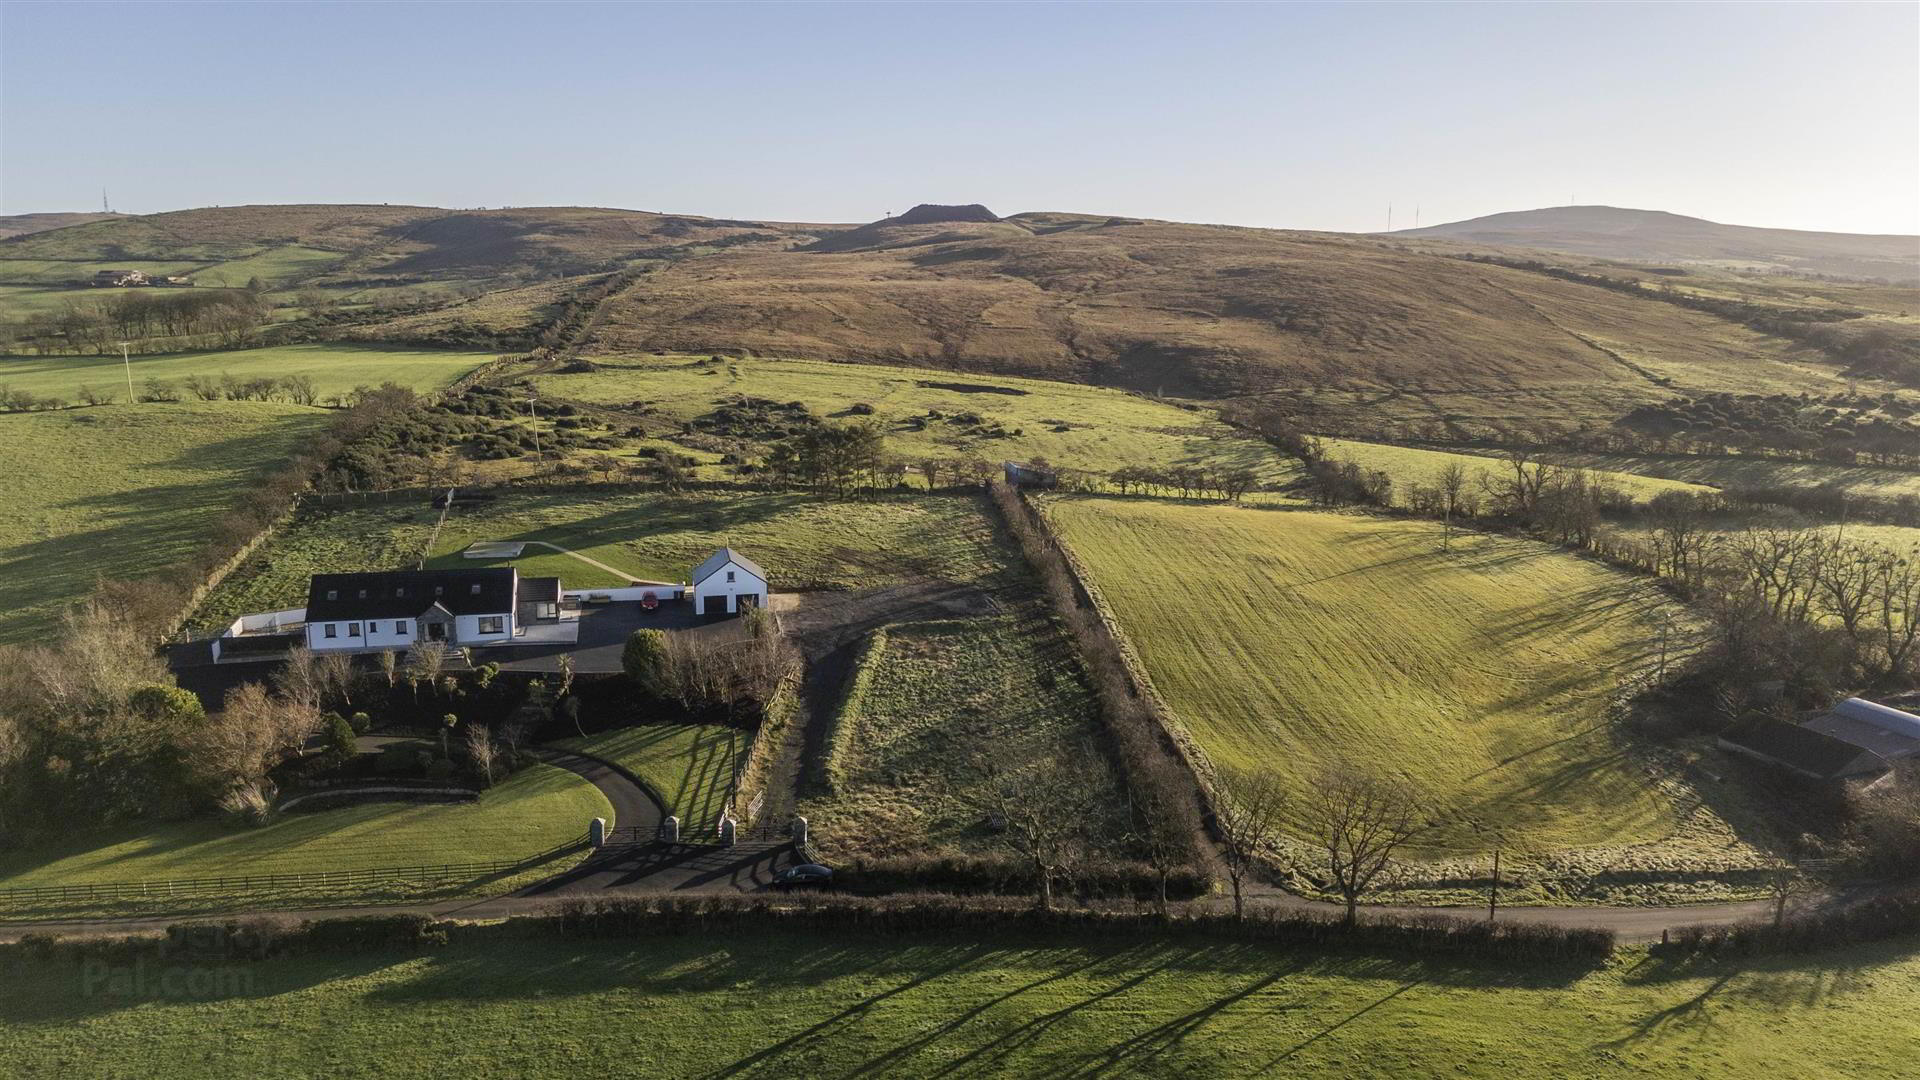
(374, 634)
(663, 593)
(467, 628)
(745, 582)
(266, 620)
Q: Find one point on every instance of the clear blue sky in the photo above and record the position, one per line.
(1299, 115)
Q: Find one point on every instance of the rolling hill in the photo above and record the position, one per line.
(22, 224)
(1656, 236)
(1354, 332)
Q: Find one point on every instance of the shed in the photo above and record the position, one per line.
(1802, 750)
(728, 583)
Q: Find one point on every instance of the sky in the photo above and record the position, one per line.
(1314, 116)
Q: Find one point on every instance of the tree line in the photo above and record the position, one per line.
(212, 318)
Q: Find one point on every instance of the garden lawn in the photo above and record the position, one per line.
(531, 812)
(123, 491)
(335, 369)
(1080, 427)
(688, 767)
(1410, 465)
(932, 697)
(844, 1004)
(1289, 641)
(803, 541)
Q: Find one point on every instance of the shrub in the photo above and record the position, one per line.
(1873, 919)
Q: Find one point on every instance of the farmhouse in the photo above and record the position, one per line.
(394, 609)
(119, 278)
(728, 582)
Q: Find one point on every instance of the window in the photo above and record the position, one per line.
(353, 629)
(400, 590)
(438, 589)
(729, 577)
(332, 631)
(363, 594)
(475, 588)
(333, 594)
(492, 624)
(400, 627)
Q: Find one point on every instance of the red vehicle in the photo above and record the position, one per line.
(649, 602)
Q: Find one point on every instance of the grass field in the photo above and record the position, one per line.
(276, 267)
(54, 272)
(1411, 465)
(1287, 641)
(688, 766)
(800, 539)
(935, 695)
(122, 490)
(532, 811)
(1729, 472)
(846, 1005)
(335, 369)
(1072, 426)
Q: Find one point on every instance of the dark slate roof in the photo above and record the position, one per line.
(401, 594)
(721, 558)
(536, 589)
(1802, 749)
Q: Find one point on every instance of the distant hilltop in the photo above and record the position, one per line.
(933, 214)
(1612, 232)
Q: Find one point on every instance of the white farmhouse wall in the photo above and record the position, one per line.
(467, 629)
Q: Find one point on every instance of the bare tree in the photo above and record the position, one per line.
(481, 751)
(425, 661)
(1360, 822)
(300, 679)
(1041, 806)
(1450, 488)
(1247, 818)
(390, 666)
(337, 676)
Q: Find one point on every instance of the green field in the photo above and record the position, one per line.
(689, 767)
(1080, 427)
(533, 811)
(120, 490)
(62, 272)
(934, 694)
(844, 1004)
(802, 540)
(335, 369)
(276, 267)
(1288, 641)
(1730, 472)
(1411, 465)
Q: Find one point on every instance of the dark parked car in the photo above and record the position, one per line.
(806, 875)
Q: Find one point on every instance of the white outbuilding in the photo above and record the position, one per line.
(728, 583)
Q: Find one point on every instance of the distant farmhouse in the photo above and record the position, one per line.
(125, 279)
(118, 278)
(1855, 740)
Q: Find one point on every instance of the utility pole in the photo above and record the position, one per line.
(533, 421)
(1493, 893)
(126, 361)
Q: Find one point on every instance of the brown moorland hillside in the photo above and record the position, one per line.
(22, 224)
(1203, 311)
(1612, 232)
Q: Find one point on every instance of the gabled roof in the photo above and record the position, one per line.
(721, 558)
(1802, 749)
(403, 594)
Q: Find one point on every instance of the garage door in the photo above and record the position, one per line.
(713, 605)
